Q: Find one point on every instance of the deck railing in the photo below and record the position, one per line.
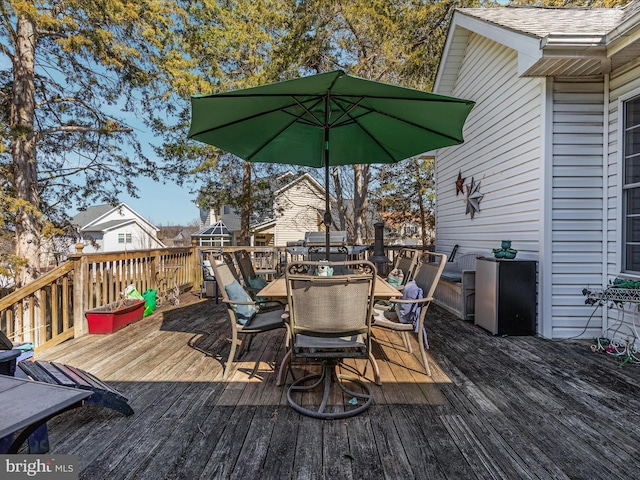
(51, 309)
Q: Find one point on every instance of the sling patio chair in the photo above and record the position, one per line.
(254, 280)
(330, 320)
(408, 313)
(228, 259)
(246, 316)
(338, 254)
(404, 265)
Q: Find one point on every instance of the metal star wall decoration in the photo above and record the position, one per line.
(474, 196)
(460, 183)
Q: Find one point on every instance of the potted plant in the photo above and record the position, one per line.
(113, 316)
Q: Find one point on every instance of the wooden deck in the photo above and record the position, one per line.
(500, 408)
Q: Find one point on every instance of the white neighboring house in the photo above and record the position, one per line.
(553, 141)
(105, 228)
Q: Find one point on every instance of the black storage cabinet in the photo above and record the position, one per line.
(506, 296)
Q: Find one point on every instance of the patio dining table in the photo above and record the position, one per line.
(277, 289)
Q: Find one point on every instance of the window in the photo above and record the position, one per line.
(631, 186)
(124, 238)
(214, 242)
(410, 230)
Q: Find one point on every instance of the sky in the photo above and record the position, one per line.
(160, 203)
(164, 205)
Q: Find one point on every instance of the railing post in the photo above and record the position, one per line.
(196, 270)
(79, 291)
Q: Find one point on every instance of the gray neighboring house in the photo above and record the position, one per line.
(554, 144)
(105, 228)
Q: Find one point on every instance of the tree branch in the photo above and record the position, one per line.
(111, 128)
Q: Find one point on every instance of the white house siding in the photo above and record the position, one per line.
(623, 83)
(139, 239)
(89, 240)
(501, 151)
(297, 212)
(577, 205)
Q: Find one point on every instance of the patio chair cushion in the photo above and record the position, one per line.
(257, 282)
(244, 313)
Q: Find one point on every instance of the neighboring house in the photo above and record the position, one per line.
(220, 226)
(298, 204)
(176, 235)
(216, 235)
(553, 143)
(403, 229)
(105, 228)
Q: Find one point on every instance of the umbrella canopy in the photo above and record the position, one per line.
(328, 119)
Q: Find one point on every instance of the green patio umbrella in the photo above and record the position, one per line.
(328, 119)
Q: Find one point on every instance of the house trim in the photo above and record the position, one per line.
(96, 222)
(545, 263)
(620, 171)
(605, 194)
(302, 177)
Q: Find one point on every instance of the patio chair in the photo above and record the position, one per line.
(409, 312)
(252, 281)
(55, 374)
(330, 320)
(338, 254)
(245, 314)
(405, 262)
(228, 259)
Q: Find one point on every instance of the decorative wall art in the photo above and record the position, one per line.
(460, 183)
(474, 196)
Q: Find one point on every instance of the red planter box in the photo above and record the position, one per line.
(107, 319)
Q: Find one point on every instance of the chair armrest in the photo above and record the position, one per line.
(238, 302)
(469, 278)
(266, 303)
(412, 300)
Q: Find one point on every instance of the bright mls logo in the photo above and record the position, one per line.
(51, 467)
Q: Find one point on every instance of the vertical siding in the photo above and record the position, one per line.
(298, 210)
(623, 82)
(577, 205)
(501, 151)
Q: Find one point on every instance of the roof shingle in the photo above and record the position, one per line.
(542, 21)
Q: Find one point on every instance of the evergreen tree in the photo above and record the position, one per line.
(69, 68)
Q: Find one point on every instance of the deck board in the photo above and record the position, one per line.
(495, 407)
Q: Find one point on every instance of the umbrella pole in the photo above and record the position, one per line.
(327, 213)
